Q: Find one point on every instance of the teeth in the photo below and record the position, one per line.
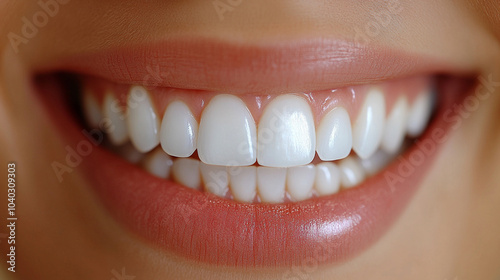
(352, 172)
(271, 184)
(186, 171)
(395, 128)
(91, 110)
(118, 133)
(327, 179)
(179, 130)
(334, 135)
(300, 181)
(158, 163)
(244, 183)
(420, 114)
(215, 179)
(286, 133)
(369, 127)
(227, 134)
(143, 123)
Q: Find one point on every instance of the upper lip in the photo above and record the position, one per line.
(216, 65)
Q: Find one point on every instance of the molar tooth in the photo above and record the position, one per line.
(369, 127)
(271, 184)
(186, 172)
(395, 127)
(227, 133)
(158, 163)
(91, 110)
(118, 133)
(420, 114)
(300, 181)
(143, 123)
(334, 135)
(352, 172)
(215, 178)
(243, 182)
(327, 179)
(179, 130)
(286, 133)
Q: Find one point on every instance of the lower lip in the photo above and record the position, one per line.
(205, 228)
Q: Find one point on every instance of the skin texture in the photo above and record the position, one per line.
(450, 230)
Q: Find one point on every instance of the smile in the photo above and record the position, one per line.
(241, 157)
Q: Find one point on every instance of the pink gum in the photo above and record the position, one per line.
(321, 102)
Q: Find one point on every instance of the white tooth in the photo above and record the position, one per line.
(286, 133)
(243, 183)
(327, 179)
(186, 172)
(351, 171)
(128, 152)
(376, 162)
(420, 114)
(369, 127)
(158, 163)
(91, 110)
(300, 181)
(179, 130)
(334, 135)
(215, 179)
(271, 184)
(395, 128)
(118, 133)
(227, 134)
(143, 123)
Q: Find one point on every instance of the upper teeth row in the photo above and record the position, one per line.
(285, 136)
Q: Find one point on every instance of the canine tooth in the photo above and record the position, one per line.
(376, 162)
(327, 179)
(227, 133)
(286, 133)
(158, 163)
(215, 179)
(351, 171)
(395, 127)
(179, 130)
(143, 123)
(420, 114)
(91, 110)
(118, 133)
(369, 127)
(186, 172)
(334, 135)
(271, 184)
(243, 181)
(300, 181)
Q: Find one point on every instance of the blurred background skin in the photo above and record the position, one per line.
(451, 230)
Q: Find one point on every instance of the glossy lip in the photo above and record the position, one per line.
(205, 228)
(284, 67)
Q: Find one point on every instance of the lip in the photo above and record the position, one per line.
(205, 228)
(283, 67)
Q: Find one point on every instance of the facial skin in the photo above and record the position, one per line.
(450, 230)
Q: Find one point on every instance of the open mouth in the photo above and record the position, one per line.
(228, 176)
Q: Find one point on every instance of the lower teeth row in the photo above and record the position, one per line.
(253, 184)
